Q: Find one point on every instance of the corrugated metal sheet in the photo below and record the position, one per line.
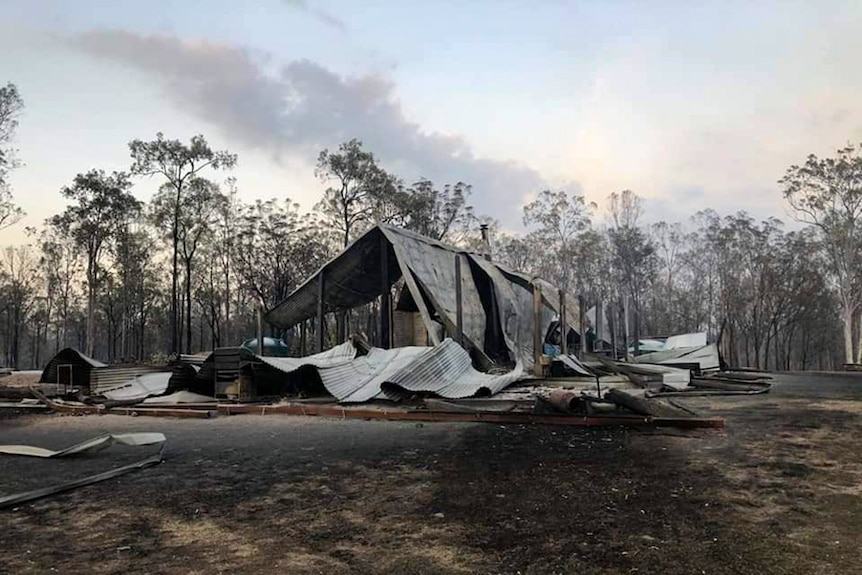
(705, 356)
(444, 370)
(433, 265)
(339, 354)
(111, 377)
(352, 279)
(140, 387)
(573, 363)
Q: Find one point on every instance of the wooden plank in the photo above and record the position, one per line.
(98, 410)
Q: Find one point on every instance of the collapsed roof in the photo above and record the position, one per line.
(496, 302)
(443, 370)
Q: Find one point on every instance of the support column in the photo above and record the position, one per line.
(459, 304)
(582, 320)
(626, 329)
(564, 326)
(600, 323)
(302, 338)
(385, 296)
(538, 336)
(321, 286)
(260, 347)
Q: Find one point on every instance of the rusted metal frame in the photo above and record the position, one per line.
(460, 416)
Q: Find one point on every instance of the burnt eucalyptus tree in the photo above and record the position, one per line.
(181, 165)
(826, 193)
(357, 188)
(11, 106)
(101, 206)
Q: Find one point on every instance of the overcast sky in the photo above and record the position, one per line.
(690, 104)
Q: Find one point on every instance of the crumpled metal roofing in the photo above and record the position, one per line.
(353, 278)
(140, 387)
(445, 370)
(337, 355)
(572, 362)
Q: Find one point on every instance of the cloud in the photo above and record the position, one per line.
(305, 107)
(324, 16)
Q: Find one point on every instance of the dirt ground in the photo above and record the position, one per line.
(778, 491)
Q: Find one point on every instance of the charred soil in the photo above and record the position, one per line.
(778, 491)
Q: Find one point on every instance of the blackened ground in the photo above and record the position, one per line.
(779, 491)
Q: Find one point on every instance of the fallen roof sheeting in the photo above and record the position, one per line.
(91, 445)
(141, 387)
(706, 357)
(572, 362)
(697, 339)
(445, 370)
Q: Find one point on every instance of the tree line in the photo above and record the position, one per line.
(126, 280)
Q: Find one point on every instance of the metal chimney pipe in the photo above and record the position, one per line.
(486, 240)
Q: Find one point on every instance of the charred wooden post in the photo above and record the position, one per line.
(582, 323)
(564, 327)
(600, 327)
(637, 329)
(459, 303)
(260, 347)
(321, 286)
(385, 296)
(613, 329)
(538, 336)
(302, 327)
(625, 325)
